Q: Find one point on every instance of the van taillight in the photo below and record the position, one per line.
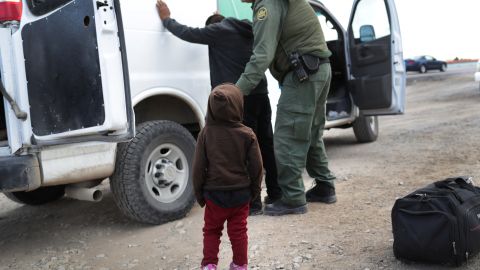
(10, 10)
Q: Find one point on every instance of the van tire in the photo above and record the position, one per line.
(132, 181)
(39, 196)
(365, 128)
(443, 68)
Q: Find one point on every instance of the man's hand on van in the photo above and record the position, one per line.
(163, 10)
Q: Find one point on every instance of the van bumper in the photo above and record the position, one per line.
(19, 173)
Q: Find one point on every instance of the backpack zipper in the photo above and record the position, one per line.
(454, 248)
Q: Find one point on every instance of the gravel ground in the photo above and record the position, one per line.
(435, 139)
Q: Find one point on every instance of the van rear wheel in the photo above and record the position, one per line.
(39, 196)
(152, 182)
(365, 128)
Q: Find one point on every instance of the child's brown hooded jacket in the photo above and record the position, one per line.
(227, 155)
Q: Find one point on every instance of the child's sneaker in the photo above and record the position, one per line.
(210, 266)
(238, 267)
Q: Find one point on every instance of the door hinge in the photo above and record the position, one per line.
(101, 4)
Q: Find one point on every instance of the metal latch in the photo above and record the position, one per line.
(18, 112)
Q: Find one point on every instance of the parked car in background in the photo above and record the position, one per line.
(425, 63)
(477, 74)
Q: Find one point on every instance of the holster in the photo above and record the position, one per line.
(296, 64)
(305, 65)
(312, 63)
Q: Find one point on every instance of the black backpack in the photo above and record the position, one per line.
(439, 223)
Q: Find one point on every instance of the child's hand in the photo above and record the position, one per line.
(201, 202)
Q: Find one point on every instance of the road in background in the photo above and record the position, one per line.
(452, 70)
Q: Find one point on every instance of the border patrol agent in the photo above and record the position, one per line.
(289, 40)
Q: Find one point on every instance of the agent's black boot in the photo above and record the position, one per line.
(321, 192)
(269, 200)
(279, 208)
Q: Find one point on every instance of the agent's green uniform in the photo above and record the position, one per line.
(280, 27)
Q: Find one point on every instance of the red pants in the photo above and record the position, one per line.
(215, 217)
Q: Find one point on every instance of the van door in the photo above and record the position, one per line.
(378, 75)
(72, 68)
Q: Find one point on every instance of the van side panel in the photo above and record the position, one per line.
(76, 163)
(157, 59)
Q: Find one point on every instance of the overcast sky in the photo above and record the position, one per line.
(441, 28)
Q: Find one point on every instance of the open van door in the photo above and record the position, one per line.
(378, 75)
(71, 72)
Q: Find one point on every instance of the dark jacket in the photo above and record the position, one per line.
(230, 44)
(227, 155)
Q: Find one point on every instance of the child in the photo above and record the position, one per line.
(227, 173)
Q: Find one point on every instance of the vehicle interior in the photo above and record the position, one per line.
(339, 104)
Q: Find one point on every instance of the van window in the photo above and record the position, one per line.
(41, 7)
(329, 30)
(371, 21)
(235, 9)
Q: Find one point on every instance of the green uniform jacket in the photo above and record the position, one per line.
(281, 27)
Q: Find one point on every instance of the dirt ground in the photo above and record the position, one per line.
(435, 139)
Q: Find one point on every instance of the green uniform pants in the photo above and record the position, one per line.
(298, 134)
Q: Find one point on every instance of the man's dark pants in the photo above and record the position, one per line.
(258, 116)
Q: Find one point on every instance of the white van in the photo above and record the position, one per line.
(94, 90)
(87, 77)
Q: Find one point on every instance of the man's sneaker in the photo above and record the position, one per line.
(269, 200)
(321, 192)
(255, 211)
(210, 266)
(279, 208)
(238, 267)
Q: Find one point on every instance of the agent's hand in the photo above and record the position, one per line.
(163, 10)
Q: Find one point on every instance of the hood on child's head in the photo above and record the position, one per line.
(225, 104)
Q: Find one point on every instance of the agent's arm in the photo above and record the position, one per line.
(267, 24)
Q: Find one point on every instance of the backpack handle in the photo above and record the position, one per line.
(463, 182)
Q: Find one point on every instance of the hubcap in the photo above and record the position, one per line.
(166, 173)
